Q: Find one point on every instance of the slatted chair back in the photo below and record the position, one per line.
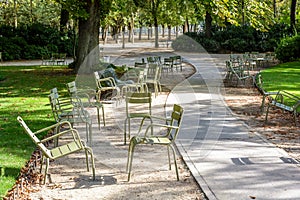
(138, 105)
(73, 144)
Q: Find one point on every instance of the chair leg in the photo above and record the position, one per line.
(87, 132)
(90, 135)
(129, 124)
(42, 161)
(98, 114)
(155, 89)
(89, 150)
(174, 155)
(267, 112)
(168, 148)
(142, 123)
(125, 129)
(262, 107)
(46, 170)
(130, 157)
(103, 115)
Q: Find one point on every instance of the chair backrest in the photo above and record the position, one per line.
(155, 70)
(104, 83)
(152, 69)
(71, 86)
(54, 106)
(176, 59)
(79, 112)
(34, 138)
(168, 61)
(138, 98)
(131, 74)
(176, 119)
(151, 59)
(140, 65)
(141, 77)
(157, 59)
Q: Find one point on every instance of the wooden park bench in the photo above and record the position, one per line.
(285, 101)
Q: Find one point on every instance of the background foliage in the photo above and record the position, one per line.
(33, 41)
(236, 39)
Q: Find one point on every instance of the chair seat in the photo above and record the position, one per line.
(151, 140)
(66, 149)
(133, 115)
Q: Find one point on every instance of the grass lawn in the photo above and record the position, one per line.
(284, 76)
(24, 91)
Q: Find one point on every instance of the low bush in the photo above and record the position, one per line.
(289, 49)
(33, 42)
(235, 39)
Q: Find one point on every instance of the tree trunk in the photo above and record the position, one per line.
(15, 14)
(177, 30)
(123, 37)
(140, 33)
(243, 12)
(149, 32)
(156, 31)
(129, 32)
(132, 29)
(274, 8)
(64, 19)
(88, 38)
(208, 25)
(185, 27)
(169, 32)
(163, 30)
(293, 14)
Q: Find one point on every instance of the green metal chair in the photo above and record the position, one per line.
(154, 77)
(177, 62)
(135, 102)
(77, 114)
(107, 86)
(72, 145)
(62, 108)
(139, 85)
(168, 139)
(167, 65)
(86, 95)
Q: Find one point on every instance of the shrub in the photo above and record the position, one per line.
(33, 41)
(289, 49)
(238, 39)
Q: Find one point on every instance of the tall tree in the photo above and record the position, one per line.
(88, 33)
(151, 7)
(293, 14)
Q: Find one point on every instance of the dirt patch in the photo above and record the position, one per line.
(280, 129)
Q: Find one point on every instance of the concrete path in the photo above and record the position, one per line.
(227, 161)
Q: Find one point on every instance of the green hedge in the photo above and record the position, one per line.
(234, 39)
(289, 49)
(33, 42)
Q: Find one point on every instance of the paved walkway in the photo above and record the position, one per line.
(227, 161)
